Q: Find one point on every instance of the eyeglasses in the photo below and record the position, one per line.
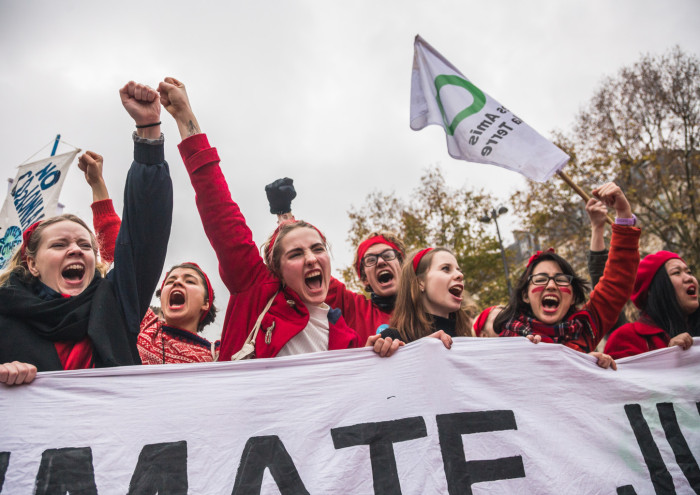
(543, 279)
(371, 259)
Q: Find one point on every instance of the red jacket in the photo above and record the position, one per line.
(635, 338)
(243, 270)
(359, 312)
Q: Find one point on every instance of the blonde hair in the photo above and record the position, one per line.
(410, 316)
(18, 264)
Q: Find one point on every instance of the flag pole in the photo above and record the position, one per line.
(565, 177)
(55, 145)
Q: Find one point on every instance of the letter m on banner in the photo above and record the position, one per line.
(33, 196)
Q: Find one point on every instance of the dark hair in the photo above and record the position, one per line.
(663, 308)
(211, 314)
(410, 316)
(517, 306)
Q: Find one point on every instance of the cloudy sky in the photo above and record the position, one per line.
(314, 90)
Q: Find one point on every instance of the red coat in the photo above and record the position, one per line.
(359, 312)
(243, 270)
(635, 338)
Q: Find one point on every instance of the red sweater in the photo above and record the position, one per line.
(635, 338)
(243, 270)
(359, 312)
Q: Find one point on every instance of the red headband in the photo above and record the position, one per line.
(210, 291)
(419, 256)
(534, 257)
(366, 244)
(26, 235)
(276, 233)
(480, 322)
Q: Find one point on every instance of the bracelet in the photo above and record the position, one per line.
(630, 222)
(147, 125)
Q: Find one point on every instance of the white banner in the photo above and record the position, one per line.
(478, 128)
(33, 196)
(488, 416)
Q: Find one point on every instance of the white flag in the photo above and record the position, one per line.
(479, 129)
(33, 196)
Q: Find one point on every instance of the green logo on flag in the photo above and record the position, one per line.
(479, 100)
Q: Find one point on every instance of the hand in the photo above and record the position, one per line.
(535, 339)
(683, 340)
(445, 338)
(16, 373)
(385, 347)
(597, 213)
(604, 361)
(91, 165)
(173, 97)
(611, 195)
(280, 195)
(142, 103)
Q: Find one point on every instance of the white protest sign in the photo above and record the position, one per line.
(33, 196)
(488, 416)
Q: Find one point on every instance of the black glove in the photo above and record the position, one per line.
(280, 195)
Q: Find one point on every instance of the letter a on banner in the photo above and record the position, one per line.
(479, 129)
(33, 196)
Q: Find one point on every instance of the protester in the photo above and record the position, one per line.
(186, 295)
(57, 309)
(285, 293)
(549, 301)
(430, 300)
(187, 303)
(483, 325)
(666, 293)
(377, 263)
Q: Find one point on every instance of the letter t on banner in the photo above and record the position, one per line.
(479, 129)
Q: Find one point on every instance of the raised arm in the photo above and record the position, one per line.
(598, 254)
(105, 220)
(240, 263)
(148, 204)
(614, 288)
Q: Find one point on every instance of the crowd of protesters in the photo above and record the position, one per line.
(63, 308)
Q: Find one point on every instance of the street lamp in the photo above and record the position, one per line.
(486, 219)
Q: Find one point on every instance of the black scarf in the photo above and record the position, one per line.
(385, 303)
(448, 325)
(30, 325)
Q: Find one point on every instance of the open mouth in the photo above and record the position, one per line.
(313, 280)
(692, 291)
(456, 290)
(384, 277)
(550, 303)
(73, 273)
(177, 298)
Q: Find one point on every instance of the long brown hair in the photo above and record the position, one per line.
(18, 264)
(410, 317)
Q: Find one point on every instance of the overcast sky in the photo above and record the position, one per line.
(314, 90)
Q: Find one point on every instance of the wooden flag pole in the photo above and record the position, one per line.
(565, 177)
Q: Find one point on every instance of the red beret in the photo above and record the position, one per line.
(645, 274)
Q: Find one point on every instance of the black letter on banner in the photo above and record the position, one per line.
(626, 490)
(161, 468)
(684, 457)
(64, 471)
(4, 462)
(267, 452)
(462, 474)
(380, 437)
(660, 477)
